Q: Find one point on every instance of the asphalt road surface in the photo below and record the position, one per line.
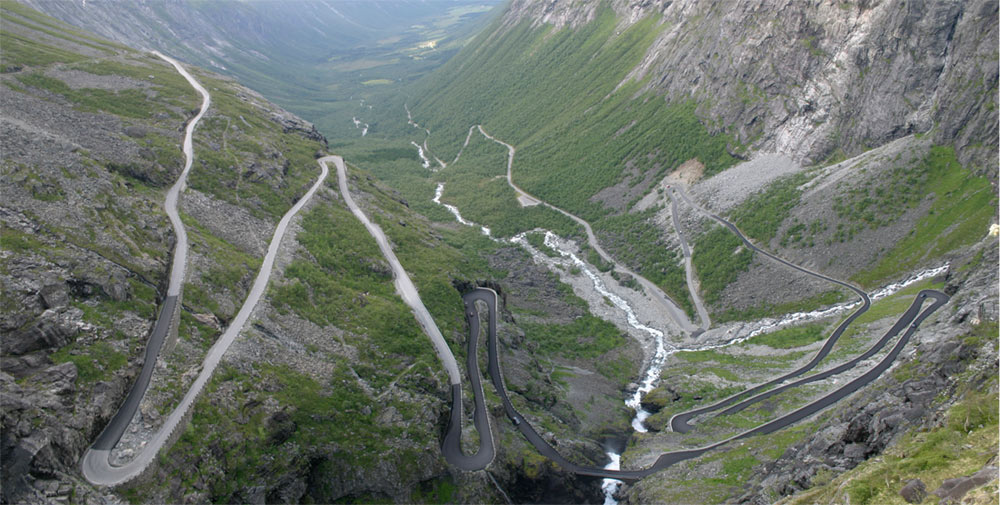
(95, 465)
(452, 446)
(95, 461)
(706, 321)
(404, 286)
(681, 422)
(910, 320)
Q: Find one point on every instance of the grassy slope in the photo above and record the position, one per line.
(553, 95)
(962, 207)
(559, 97)
(338, 281)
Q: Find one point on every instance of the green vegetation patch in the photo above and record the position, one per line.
(258, 165)
(823, 299)
(348, 283)
(753, 362)
(127, 102)
(562, 99)
(587, 337)
(640, 244)
(297, 436)
(230, 272)
(537, 240)
(792, 337)
(94, 362)
(760, 216)
(25, 16)
(719, 257)
(963, 208)
(475, 184)
(21, 51)
(396, 163)
(19, 242)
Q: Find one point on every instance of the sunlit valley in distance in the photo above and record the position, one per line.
(482, 251)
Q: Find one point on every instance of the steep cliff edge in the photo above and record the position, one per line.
(821, 79)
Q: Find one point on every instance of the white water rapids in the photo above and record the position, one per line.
(662, 349)
(454, 211)
(357, 124)
(420, 150)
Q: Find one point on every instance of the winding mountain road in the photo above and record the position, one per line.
(404, 286)
(681, 422)
(706, 321)
(910, 320)
(451, 447)
(95, 464)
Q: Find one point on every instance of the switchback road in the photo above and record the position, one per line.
(681, 422)
(652, 290)
(910, 320)
(95, 465)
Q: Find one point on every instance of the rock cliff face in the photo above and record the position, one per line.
(818, 79)
(331, 393)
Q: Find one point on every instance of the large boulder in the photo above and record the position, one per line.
(914, 491)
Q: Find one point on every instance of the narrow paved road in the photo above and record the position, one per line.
(120, 421)
(404, 286)
(114, 430)
(681, 422)
(651, 289)
(452, 446)
(706, 321)
(170, 205)
(95, 465)
(910, 320)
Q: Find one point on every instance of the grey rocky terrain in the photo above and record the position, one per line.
(861, 128)
(818, 80)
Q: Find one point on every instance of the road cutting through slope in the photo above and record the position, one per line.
(95, 464)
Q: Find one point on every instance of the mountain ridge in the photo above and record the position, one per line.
(614, 109)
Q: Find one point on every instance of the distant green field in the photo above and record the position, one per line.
(562, 98)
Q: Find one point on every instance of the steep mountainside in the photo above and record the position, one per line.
(331, 392)
(577, 157)
(816, 80)
(869, 131)
(612, 98)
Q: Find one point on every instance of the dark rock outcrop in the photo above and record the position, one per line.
(953, 490)
(914, 491)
